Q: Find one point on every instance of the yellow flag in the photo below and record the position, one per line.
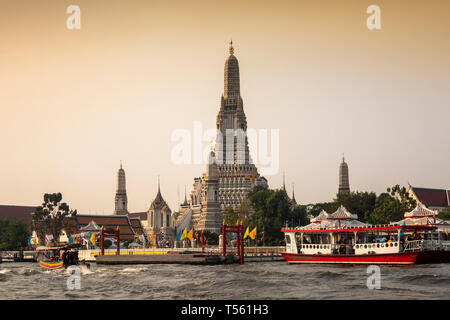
(190, 235)
(184, 235)
(252, 234)
(93, 239)
(246, 233)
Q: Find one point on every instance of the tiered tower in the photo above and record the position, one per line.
(344, 185)
(236, 172)
(210, 215)
(121, 201)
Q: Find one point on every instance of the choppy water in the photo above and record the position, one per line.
(271, 280)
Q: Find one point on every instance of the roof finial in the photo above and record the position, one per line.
(120, 164)
(343, 158)
(158, 183)
(231, 47)
(284, 185)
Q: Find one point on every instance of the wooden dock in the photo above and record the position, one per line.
(196, 259)
(17, 256)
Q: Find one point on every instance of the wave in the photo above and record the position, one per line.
(416, 277)
(328, 274)
(133, 270)
(5, 271)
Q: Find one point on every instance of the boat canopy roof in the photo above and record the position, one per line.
(363, 229)
(68, 246)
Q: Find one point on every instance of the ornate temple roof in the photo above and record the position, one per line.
(342, 214)
(432, 197)
(20, 212)
(420, 211)
(323, 215)
(159, 202)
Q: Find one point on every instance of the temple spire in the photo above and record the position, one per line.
(232, 83)
(284, 184)
(344, 184)
(121, 201)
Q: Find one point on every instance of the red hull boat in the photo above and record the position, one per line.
(432, 256)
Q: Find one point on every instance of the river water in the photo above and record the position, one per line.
(268, 280)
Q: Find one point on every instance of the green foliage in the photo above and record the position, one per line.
(391, 206)
(386, 208)
(444, 215)
(53, 216)
(107, 243)
(273, 210)
(210, 237)
(13, 234)
(359, 203)
(126, 243)
(242, 213)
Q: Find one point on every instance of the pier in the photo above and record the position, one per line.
(180, 256)
(17, 256)
(210, 255)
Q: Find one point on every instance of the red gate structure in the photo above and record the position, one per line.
(115, 233)
(239, 230)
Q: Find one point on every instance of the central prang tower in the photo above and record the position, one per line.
(230, 173)
(236, 172)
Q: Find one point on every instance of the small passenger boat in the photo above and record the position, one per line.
(51, 258)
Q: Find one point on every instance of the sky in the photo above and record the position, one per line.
(74, 103)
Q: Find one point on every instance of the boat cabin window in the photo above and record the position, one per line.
(288, 239)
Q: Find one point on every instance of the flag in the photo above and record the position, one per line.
(246, 233)
(184, 235)
(92, 239)
(179, 236)
(262, 235)
(252, 234)
(196, 235)
(235, 235)
(70, 238)
(29, 240)
(190, 234)
(48, 238)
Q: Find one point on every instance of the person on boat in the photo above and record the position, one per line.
(342, 248)
(402, 244)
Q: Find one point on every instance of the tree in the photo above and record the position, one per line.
(53, 216)
(211, 237)
(444, 215)
(359, 203)
(272, 210)
(13, 234)
(242, 213)
(391, 206)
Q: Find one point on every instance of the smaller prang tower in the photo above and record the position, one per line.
(344, 185)
(121, 201)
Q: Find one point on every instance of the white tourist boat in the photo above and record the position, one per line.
(341, 238)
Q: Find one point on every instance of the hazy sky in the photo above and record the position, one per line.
(76, 102)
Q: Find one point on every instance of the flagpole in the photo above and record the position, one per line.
(256, 238)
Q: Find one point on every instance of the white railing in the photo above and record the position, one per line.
(445, 245)
(419, 245)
